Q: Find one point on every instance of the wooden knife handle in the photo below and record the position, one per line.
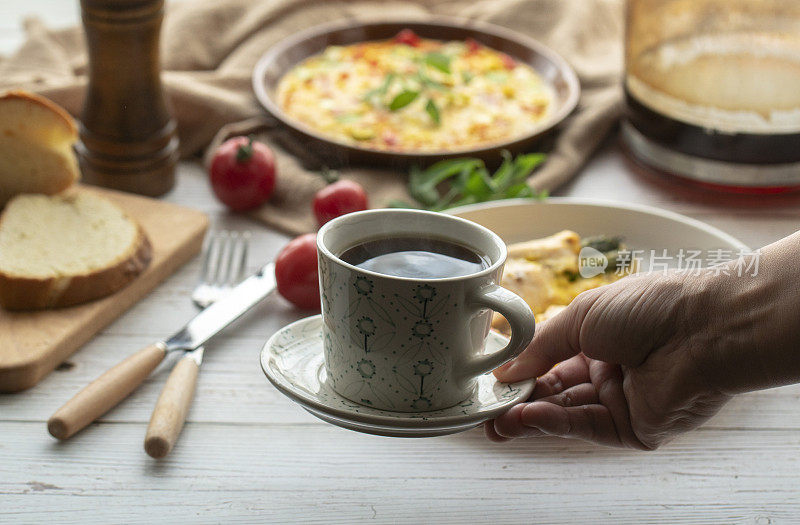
(171, 408)
(105, 392)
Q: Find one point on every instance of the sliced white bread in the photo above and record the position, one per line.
(36, 138)
(66, 249)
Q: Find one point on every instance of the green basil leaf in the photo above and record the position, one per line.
(519, 191)
(504, 176)
(427, 81)
(467, 181)
(469, 199)
(433, 111)
(444, 202)
(439, 61)
(397, 203)
(603, 243)
(403, 99)
(419, 188)
(382, 89)
(423, 184)
(525, 164)
(479, 185)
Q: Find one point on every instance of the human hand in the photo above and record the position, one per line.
(631, 366)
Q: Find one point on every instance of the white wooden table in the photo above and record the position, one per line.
(248, 454)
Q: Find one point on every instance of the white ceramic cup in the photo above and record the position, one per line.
(412, 344)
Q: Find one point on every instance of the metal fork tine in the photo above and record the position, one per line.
(223, 259)
(243, 256)
(206, 253)
(231, 260)
(211, 259)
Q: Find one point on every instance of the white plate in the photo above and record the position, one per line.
(293, 361)
(661, 236)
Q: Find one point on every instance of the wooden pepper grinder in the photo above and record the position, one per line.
(128, 140)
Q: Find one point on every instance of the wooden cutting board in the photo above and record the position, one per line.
(32, 344)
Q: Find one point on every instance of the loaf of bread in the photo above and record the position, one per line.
(66, 249)
(36, 138)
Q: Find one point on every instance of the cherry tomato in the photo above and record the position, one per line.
(339, 198)
(472, 45)
(389, 138)
(508, 62)
(296, 272)
(408, 37)
(242, 173)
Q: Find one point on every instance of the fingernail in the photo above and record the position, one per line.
(505, 369)
(504, 366)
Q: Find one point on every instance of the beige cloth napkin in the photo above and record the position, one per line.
(209, 48)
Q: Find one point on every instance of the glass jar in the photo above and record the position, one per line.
(713, 90)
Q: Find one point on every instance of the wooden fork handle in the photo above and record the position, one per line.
(105, 392)
(171, 408)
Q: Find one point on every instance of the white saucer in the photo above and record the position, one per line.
(293, 361)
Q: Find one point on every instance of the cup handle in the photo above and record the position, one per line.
(519, 316)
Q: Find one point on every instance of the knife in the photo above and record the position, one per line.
(105, 392)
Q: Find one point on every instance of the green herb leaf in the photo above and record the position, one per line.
(433, 111)
(504, 176)
(602, 243)
(519, 191)
(479, 184)
(348, 118)
(439, 61)
(382, 89)
(467, 77)
(525, 164)
(423, 184)
(403, 99)
(464, 201)
(427, 81)
(458, 182)
(397, 203)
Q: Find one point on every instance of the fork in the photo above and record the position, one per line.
(224, 265)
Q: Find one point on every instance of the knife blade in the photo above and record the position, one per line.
(224, 311)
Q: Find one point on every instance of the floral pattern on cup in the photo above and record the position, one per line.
(417, 371)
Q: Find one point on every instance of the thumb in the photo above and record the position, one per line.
(554, 341)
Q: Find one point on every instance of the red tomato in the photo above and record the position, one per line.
(296, 272)
(389, 138)
(508, 62)
(472, 45)
(339, 198)
(408, 37)
(242, 173)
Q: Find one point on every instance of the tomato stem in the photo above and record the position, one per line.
(245, 151)
(329, 175)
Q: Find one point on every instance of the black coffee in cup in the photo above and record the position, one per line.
(415, 257)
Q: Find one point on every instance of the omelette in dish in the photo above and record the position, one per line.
(412, 94)
(546, 273)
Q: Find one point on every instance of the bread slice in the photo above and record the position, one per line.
(66, 249)
(36, 138)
